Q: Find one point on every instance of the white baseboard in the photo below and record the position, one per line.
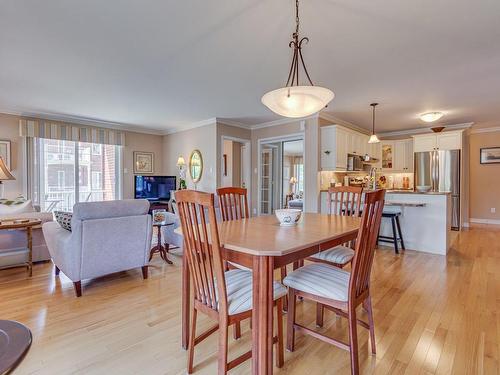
(466, 224)
(485, 221)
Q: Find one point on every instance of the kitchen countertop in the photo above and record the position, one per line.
(391, 191)
(404, 204)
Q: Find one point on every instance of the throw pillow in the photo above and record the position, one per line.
(64, 219)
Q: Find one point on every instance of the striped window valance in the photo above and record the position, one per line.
(70, 132)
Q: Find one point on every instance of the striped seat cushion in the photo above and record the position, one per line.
(338, 255)
(321, 280)
(239, 291)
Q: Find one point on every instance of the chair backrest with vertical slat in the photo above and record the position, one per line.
(202, 247)
(344, 200)
(233, 203)
(365, 243)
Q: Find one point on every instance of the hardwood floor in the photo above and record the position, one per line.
(433, 315)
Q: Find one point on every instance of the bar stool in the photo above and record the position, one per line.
(397, 236)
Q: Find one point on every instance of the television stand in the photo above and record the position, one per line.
(158, 205)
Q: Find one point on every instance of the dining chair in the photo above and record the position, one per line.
(225, 296)
(343, 201)
(339, 290)
(233, 204)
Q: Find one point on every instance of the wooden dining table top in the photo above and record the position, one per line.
(263, 235)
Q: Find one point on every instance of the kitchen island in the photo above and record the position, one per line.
(425, 219)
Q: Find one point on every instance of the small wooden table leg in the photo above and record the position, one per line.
(262, 317)
(185, 302)
(29, 233)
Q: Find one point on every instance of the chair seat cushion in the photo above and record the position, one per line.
(239, 291)
(321, 280)
(338, 255)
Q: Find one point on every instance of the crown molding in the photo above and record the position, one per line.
(80, 120)
(485, 130)
(416, 131)
(193, 125)
(346, 124)
(235, 124)
(282, 121)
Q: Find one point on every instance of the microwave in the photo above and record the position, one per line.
(354, 162)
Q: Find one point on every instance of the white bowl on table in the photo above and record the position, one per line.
(288, 216)
(423, 188)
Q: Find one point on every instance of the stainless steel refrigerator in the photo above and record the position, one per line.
(441, 171)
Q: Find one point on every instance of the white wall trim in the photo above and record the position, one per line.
(336, 121)
(229, 122)
(193, 125)
(484, 221)
(465, 125)
(282, 122)
(79, 120)
(485, 130)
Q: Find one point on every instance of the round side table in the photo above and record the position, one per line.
(15, 341)
(160, 248)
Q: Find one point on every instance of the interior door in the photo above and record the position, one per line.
(266, 182)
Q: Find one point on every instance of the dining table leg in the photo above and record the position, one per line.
(262, 316)
(185, 302)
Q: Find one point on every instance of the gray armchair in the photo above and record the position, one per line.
(106, 237)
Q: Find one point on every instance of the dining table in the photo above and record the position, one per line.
(263, 245)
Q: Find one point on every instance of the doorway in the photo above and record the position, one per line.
(281, 174)
(236, 163)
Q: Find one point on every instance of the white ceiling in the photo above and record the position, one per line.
(164, 64)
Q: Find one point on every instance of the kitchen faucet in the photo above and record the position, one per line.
(373, 171)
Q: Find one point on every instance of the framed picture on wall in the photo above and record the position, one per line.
(490, 155)
(143, 162)
(5, 153)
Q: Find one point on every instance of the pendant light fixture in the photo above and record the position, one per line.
(373, 137)
(295, 100)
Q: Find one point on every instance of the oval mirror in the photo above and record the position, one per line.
(195, 166)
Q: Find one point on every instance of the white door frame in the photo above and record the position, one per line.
(245, 169)
(300, 136)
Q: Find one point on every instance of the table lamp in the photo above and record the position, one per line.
(181, 164)
(293, 182)
(5, 175)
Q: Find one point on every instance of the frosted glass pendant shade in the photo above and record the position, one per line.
(297, 101)
(373, 139)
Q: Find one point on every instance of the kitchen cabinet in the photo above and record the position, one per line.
(403, 156)
(387, 159)
(334, 140)
(451, 140)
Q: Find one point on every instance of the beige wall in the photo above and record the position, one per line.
(9, 131)
(236, 163)
(484, 182)
(139, 142)
(311, 160)
(183, 143)
(224, 130)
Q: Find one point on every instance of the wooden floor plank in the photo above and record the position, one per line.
(433, 315)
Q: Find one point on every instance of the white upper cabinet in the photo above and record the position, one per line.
(403, 156)
(424, 143)
(336, 143)
(451, 140)
(328, 148)
(341, 154)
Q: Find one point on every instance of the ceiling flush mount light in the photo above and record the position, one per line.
(431, 116)
(295, 100)
(373, 137)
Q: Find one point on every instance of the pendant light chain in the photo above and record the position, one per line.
(296, 44)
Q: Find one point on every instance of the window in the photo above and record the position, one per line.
(65, 173)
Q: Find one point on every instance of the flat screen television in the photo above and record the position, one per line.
(154, 188)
